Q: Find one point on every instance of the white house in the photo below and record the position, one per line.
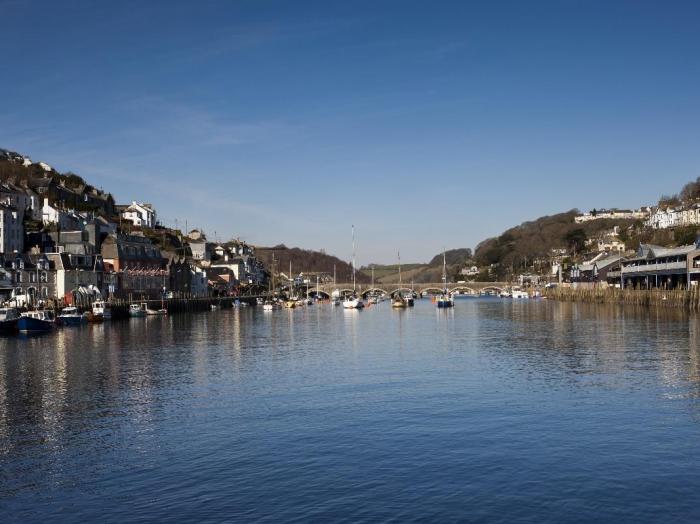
(11, 230)
(140, 214)
(663, 218)
(614, 214)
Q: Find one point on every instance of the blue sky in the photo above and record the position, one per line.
(426, 124)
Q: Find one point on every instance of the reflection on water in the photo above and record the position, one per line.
(496, 409)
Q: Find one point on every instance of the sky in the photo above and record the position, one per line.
(428, 125)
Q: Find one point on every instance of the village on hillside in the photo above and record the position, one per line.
(67, 243)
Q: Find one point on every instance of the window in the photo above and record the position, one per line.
(44, 276)
(19, 276)
(32, 277)
(45, 292)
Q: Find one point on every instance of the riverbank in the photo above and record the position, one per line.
(679, 298)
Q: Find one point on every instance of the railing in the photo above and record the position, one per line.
(649, 268)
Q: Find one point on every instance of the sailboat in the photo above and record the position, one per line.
(373, 299)
(446, 299)
(353, 301)
(399, 301)
(291, 301)
(271, 303)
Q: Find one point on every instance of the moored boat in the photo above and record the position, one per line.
(101, 311)
(353, 302)
(137, 310)
(70, 316)
(36, 321)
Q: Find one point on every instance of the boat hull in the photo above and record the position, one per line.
(33, 325)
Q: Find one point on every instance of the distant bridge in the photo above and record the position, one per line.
(473, 288)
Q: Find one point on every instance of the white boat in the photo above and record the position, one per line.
(445, 299)
(271, 305)
(137, 310)
(519, 293)
(101, 310)
(335, 301)
(353, 301)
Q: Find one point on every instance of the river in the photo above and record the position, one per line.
(495, 411)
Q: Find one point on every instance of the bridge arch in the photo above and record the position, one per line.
(403, 289)
(491, 288)
(372, 290)
(434, 290)
(471, 291)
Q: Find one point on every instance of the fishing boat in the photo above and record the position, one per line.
(444, 300)
(353, 301)
(101, 311)
(39, 321)
(8, 320)
(70, 316)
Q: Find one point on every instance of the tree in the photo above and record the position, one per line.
(575, 239)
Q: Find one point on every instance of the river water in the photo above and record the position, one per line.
(498, 410)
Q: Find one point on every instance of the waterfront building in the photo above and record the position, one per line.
(11, 229)
(597, 269)
(656, 266)
(79, 277)
(187, 279)
(135, 265)
(33, 278)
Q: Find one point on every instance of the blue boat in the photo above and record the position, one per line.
(70, 316)
(36, 321)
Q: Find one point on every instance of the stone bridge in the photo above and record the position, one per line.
(473, 288)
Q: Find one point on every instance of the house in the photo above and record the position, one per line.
(613, 214)
(188, 280)
(33, 278)
(79, 278)
(133, 264)
(140, 214)
(62, 218)
(470, 271)
(597, 269)
(11, 229)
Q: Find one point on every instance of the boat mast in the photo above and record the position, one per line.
(291, 281)
(353, 259)
(444, 272)
(400, 281)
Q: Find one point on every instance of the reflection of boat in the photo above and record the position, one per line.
(70, 316)
(8, 320)
(36, 321)
(101, 310)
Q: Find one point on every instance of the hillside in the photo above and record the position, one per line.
(421, 273)
(305, 261)
(521, 246)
